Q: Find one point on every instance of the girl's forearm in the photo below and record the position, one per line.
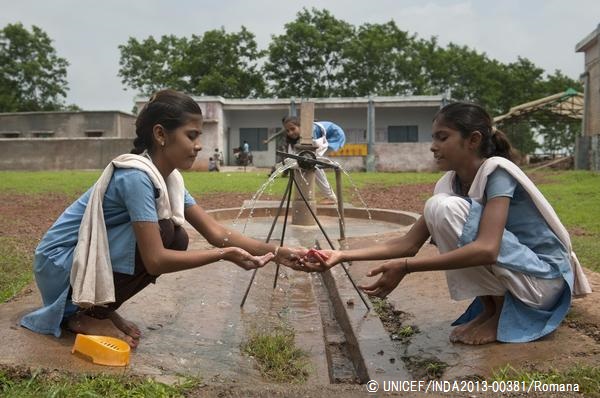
(167, 260)
(230, 237)
(392, 249)
(471, 255)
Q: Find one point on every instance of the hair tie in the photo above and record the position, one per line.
(494, 130)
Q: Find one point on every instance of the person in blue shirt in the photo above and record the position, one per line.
(500, 242)
(141, 246)
(326, 136)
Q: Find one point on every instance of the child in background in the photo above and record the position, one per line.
(326, 136)
(212, 165)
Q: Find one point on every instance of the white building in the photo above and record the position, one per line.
(402, 128)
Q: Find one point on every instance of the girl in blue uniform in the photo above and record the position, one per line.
(144, 239)
(500, 242)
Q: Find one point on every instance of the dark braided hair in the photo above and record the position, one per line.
(169, 108)
(467, 118)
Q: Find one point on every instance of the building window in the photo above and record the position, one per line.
(42, 134)
(94, 133)
(403, 134)
(10, 134)
(255, 138)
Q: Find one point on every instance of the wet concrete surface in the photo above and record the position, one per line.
(426, 304)
(192, 323)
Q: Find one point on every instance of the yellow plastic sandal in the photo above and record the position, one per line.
(102, 350)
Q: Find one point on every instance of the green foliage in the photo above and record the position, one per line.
(215, 63)
(521, 136)
(277, 356)
(307, 60)
(32, 76)
(379, 60)
(319, 55)
(42, 385)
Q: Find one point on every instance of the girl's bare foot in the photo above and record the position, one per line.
(125, 326)
(489, 308)
(487, 331)
(85, 324)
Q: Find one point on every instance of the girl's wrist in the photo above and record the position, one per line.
(224, 252)
(344, 256)
(405, 268)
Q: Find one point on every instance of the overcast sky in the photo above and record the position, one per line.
(88, 33)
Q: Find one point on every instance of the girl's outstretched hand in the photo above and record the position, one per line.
(244, 259)
(320, 260)
(290, 256)
(392, 272)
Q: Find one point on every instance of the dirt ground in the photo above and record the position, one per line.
(36, 213)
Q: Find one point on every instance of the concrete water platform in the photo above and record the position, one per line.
(192, 323)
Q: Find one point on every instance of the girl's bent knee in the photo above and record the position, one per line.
(444, 206)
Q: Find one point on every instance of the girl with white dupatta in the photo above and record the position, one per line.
(127, 230)
(500, 242)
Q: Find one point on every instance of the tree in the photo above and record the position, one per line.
(559, 133)
(307, 60)
(378, 60)
(463, 73)
(151, 65)
(32, 76)
(215, 63)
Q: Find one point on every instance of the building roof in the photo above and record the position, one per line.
(61, 112)
(588, 41)
(341, 102)
(568, 103)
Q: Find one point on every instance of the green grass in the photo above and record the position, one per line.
(76, 182)
(40, 182)
(587, 377)
(34, 385)
(575, 195)
(277, 356)
(407, 331)
(13, 275)
(387, 179)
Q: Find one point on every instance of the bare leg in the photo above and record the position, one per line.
(85, 324)
(487, 331)
(125, 326)
(488, 311)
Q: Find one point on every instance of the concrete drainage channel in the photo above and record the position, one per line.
(356, 345)
(366, 342)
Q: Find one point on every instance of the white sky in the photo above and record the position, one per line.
(88, 33)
